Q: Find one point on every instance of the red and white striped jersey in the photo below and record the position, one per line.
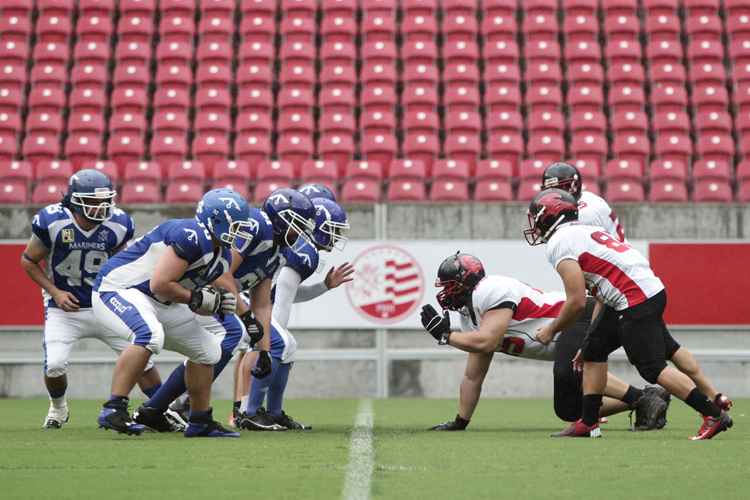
(594, 211)
(532, 309)
(615, 273)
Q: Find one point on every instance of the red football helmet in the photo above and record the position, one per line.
(458, 275)
(547, 211)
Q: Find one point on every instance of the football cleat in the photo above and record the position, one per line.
(234, 418)
(712, 426)
(178, 421)
(155, 420)
(206, 426)
(723, 402)
(261, 421)
(288, 422)
(118, 419)
(579, 429)
(651, 409)
(56, 417)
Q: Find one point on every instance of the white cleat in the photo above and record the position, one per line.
(56, 417)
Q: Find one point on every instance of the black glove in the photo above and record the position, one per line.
(458, 424)
(253, 327)
(438, 326)
(263, 366)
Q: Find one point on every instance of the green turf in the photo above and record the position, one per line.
(506, 454)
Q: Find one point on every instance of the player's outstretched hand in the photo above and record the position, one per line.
(263, 366)
(339, 275)
(544, 335)
(253, 327)
(578, 362)
(66, 301)
(434, 323)
(458, 424)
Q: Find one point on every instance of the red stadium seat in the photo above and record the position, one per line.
(48, 191)
(131, 74)
(135, 52)
(13, 192)
(168, 147)
(668, 190)
(293, 121)
(14, 51)
(711, 169)
(11, 122)
(319, 170)
(91, 52)
(489, 190)
(254, 121)
(42, 99)
(716, 146)
(295, 147)
(83, 147)
(175, 122)
(532, 169)
(143, 171)
(281, 171)
(134, 193)
(94, 27)
(378, 147)
(8, 145)
(550, 121)
(41, 74)
(710, 97)
(364, 170)
(124, 147)
(210, 147)
(40, 146)
(422, 147)
(459, 97)
(211, 122)
(543, 97)
(186, 171)
(406, 190)
(633, 146)
(626, 190)
(184, 192)
(450, 169)
(546, 147)
(240, 187)
(135, 28)
(419, 97)
(133, 99)
(337, 122)
(674, 146)
(407, 169)
(83, 121)
(623, 170)
(672, 121)
(234, 171)
(668, 170)
(53, 169)
(585, 73)
(264, 188)
(743, 171)
(361, 190)
(16, 171)
(711, 190)
(174, 53)
(590, 122)
(106, 167)
(528, 189)
(338, 148)
(493, 169)
(53, 28)
(465, 147)
(449, 190)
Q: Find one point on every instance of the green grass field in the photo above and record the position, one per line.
(506, 454)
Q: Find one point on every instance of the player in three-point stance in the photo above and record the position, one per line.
(297, 265)
(502, 314)
(631, 302)
(75, 238)
(151, 292)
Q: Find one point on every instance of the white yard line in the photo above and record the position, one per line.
(361, 455)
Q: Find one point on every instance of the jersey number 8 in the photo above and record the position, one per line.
(608, 241)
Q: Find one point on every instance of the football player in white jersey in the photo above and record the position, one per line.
(75, 238)
(592, 209)
(502, 314)
(631, 302)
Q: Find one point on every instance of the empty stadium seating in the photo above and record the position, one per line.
(410, 115)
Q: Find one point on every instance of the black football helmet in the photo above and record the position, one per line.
(547, 211)
(564, 176)
(458, 275)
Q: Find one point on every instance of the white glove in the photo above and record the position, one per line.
(228, 302)
(205, 301)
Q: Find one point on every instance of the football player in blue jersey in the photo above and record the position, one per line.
(297, 265)
(151, 293)
(313, 191)
(75, 238)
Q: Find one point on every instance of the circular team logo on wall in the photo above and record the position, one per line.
(388, 284)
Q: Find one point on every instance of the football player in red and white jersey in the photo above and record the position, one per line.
(631, 302)
(502, 314)
(593, 210)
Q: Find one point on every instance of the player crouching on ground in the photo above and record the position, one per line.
(502, 314)
(150, 293)
(75, 238)
(631, 302)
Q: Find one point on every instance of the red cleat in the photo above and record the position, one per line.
(712, 426)
(579, 429)
(723, 402)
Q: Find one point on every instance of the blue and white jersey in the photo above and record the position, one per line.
(75, 255)
(260, 256)
(190, 240)
(304, 259)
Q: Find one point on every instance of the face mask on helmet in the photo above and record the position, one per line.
(453, 296)
(95, 206)
(298, 229)
(330, 233)
(546, 212)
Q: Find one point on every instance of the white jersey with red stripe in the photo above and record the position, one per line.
(615, 273)
(594, 211)
(532, 309)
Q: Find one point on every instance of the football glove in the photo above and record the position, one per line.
(205, 301)
(458, 424)
(436, 325)
(253, 327)
(263, 366)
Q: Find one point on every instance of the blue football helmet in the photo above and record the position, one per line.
(317, 191)
(331, 225)
(225, 214)
(292, 215)
(91, 195)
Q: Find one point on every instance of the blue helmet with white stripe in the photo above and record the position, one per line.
(317, 191)
(91, 195)
(331, 225)
(225, 214)
(292, 215)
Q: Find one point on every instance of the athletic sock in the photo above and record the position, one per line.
(150, 391)
(259, 389)
(243, 404)
(58, 403)
(169, 390)
(700, 403)
(201, 416)
(591, 405)
(632, 395)
(236, 405)
(277, 389)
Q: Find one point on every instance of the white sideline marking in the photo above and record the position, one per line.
(361, 455)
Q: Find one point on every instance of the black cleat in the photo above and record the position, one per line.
(288, 422)
(261, 421)
(206, 426)
(651, 409)
(118, 419)
(155, 420)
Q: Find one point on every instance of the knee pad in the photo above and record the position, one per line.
(56, 368)
(210, 356)
(650, 370)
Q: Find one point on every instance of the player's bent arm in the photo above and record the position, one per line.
(575, 295)
(262, 307)
(306, 293)
(287, 284)
(471, 386)
(494, 324)
(167, 272)
(32, 256)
